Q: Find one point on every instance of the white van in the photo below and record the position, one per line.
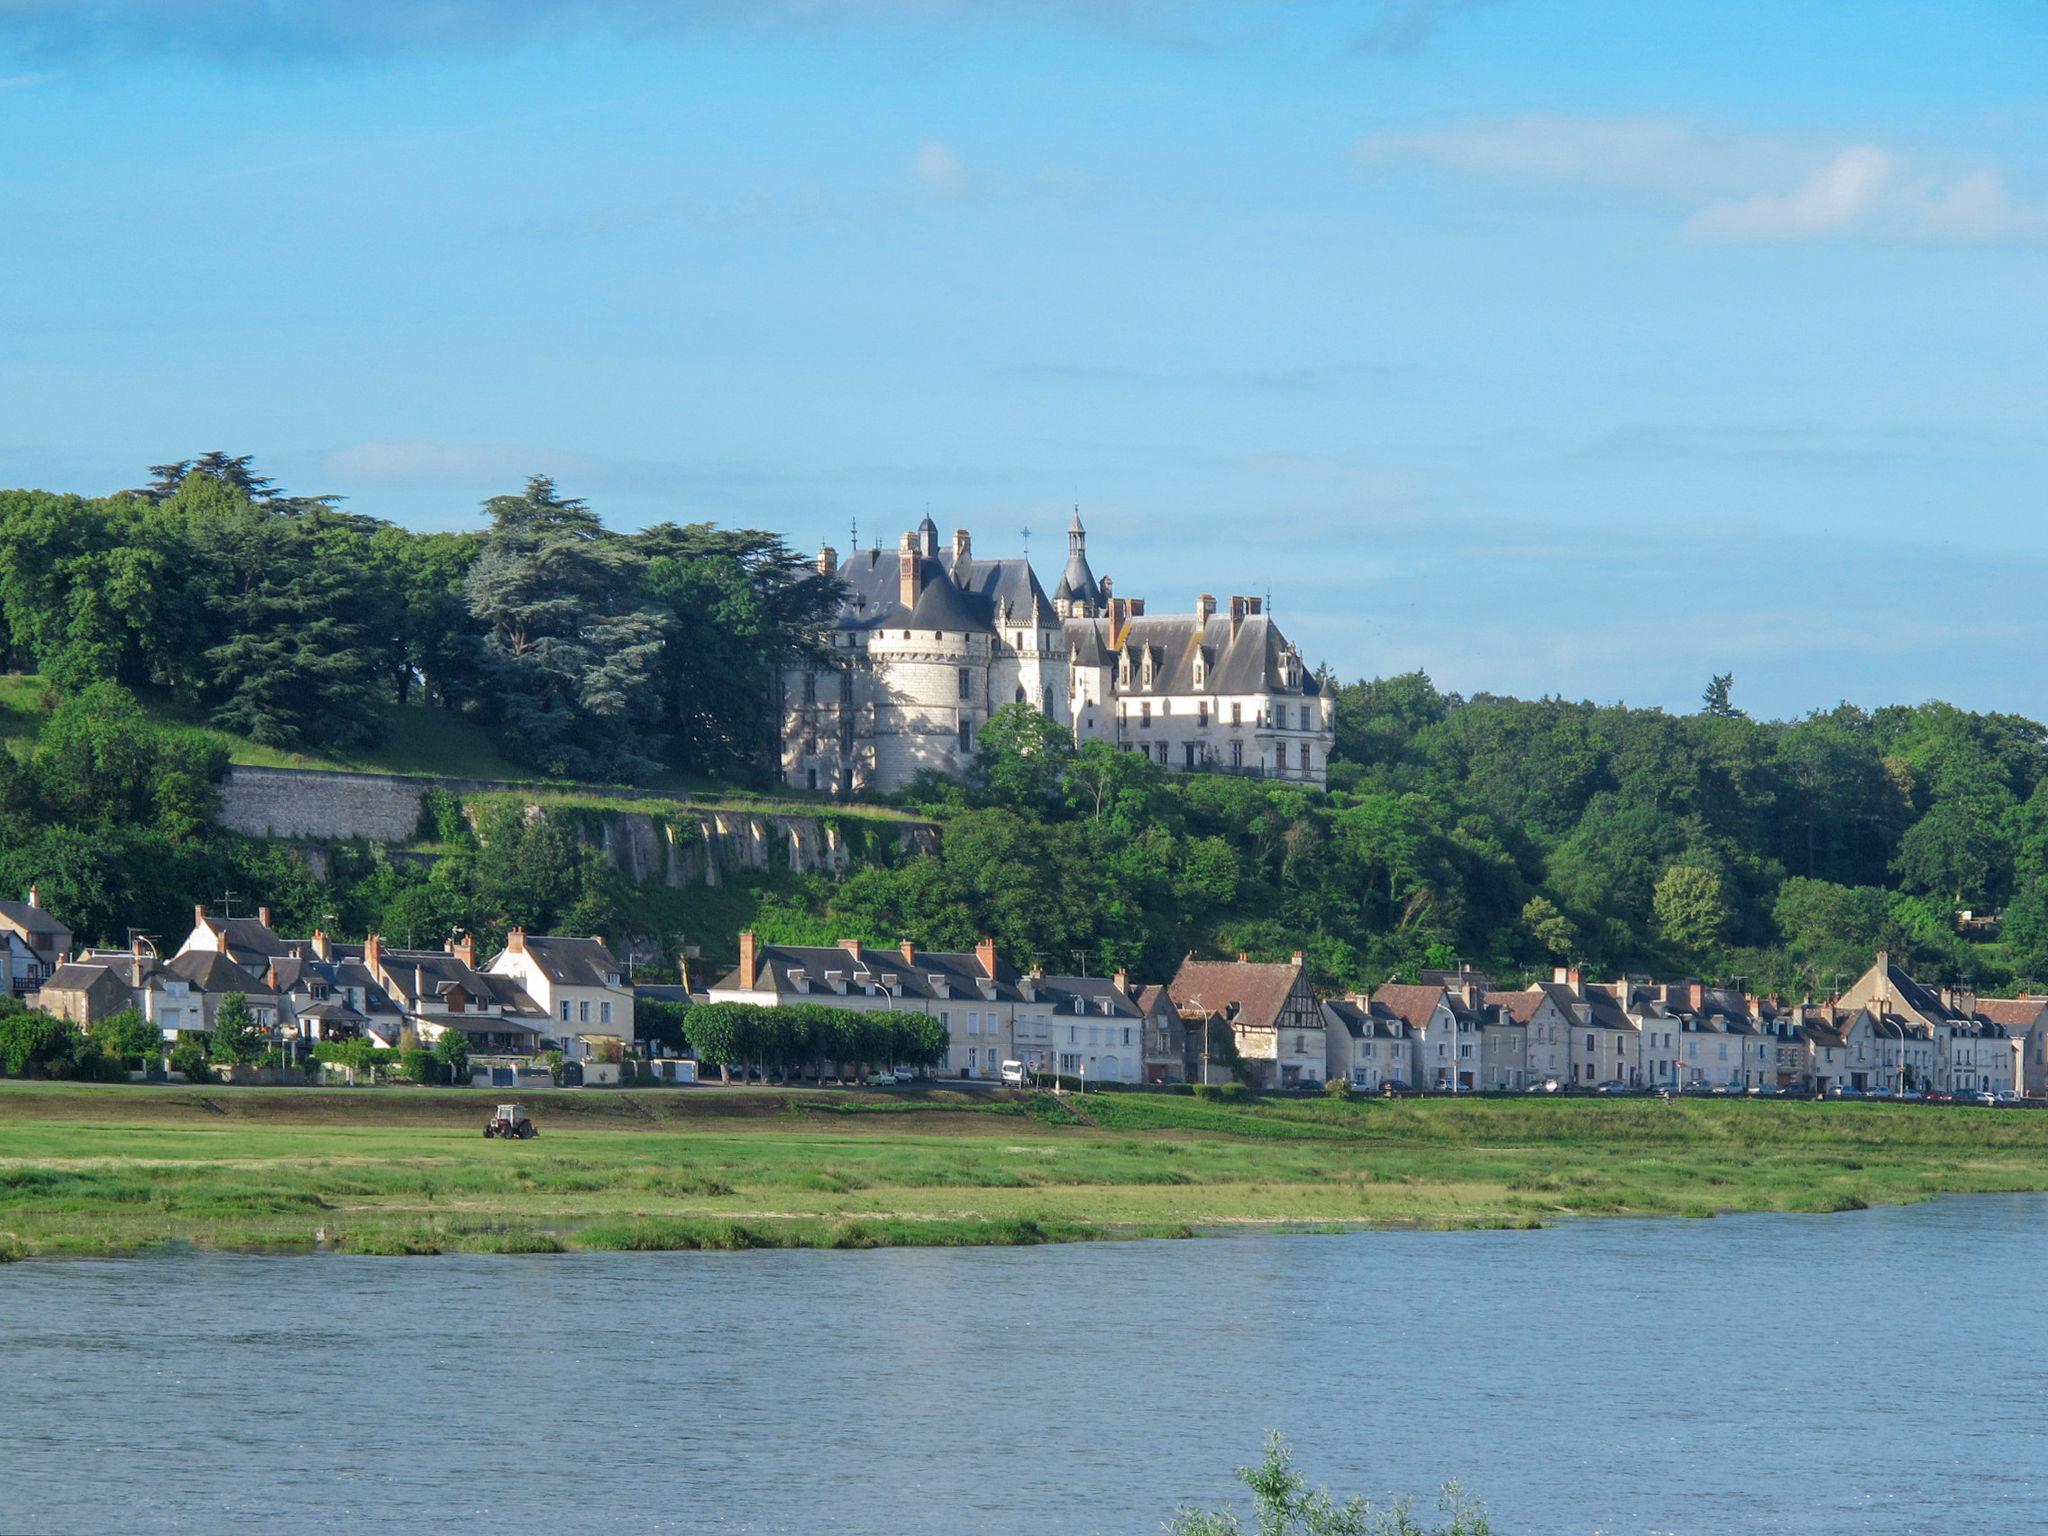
(1013, 1072)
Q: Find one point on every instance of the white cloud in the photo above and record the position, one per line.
(1727, 186)
(938, 169)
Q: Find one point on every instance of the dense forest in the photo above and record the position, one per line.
(1510, 833)
(295, 623)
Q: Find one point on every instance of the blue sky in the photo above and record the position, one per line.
(1550, 346)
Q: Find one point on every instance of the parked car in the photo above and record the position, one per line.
(1548, 1085)
(2009, 1100)
(904, 1074)
(1616, 1086)
(882, 1080)
(1937, 1096)
(1987, 1099)
(1013, 1072)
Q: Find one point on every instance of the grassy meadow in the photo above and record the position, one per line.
(91, 1170)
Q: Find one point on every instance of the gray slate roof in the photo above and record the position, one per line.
(974, 595)
(1248, 664)
(571, 962)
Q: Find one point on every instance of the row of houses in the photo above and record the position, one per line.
(1451, 1032)
(540, 992)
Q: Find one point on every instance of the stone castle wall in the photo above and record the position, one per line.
(694, 848)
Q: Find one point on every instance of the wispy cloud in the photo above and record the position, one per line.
(938, 169)
(1407, 26)
(1727, 186)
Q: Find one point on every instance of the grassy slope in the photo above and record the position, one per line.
(427, 742)
(86, 1169)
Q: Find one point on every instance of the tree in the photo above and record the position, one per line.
(1023, 757)
(1284, 1505)
(570, 659)
(1692, 911)
(235, 1040)
(735, 605)
(129, 1038)
(1550, 928)
(1714, 698)
(718, 1032)
(36, 1044)
(1952, 853)
(451, 1051)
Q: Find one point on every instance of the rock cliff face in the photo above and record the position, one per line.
(678, 848)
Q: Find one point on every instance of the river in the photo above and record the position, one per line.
(1877, 1371)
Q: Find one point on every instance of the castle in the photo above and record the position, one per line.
(927, 644)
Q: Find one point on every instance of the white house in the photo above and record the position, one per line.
(576, 982)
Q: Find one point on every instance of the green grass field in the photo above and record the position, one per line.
(110, 1169)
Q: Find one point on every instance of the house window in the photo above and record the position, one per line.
(1162, 754)
(1280, 756)
(604, 1013)
(1237, 754)
(966, 684)
(1073, 1034)
(974, 1023)
(1145, 716)
(1189, 750)
(1202, 710)
(565, 1010)
(810, 778)
(1127, 1035)
(966, 735)
(973, 1058)
(1237, 714)
(583, 1013)
(1069, 1064)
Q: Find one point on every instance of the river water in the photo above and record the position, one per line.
(1877, 1371)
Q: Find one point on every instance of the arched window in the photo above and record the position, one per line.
(1020, 693)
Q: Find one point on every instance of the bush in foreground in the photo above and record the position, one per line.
(1284, 1505)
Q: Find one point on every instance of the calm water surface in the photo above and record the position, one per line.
(1882, 1371)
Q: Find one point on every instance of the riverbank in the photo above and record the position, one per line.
(109, 1169)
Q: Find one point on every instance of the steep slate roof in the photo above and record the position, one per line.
(969, 596)
(1248, 664)
(1363, 1020)
(1260, 991)
(38, 923)
(1077, 581)
(570, 962)
(80, 976)
(961, 974)
(415, 975)
(210, 971)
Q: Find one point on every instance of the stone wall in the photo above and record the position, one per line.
(691, 848)
(303, 805)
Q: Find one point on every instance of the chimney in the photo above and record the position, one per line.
(851, 946)
(464, 949)
(910, 572)
(1297, 957)
(985, 952)
(419, 985)
(263, 916)
(35, 895)
(198, 916)
(1122, 980)
(963, 547)
(828, 560)
(909, 952)
(515, 941)
(1696, 995)
(1205, 608)
(1566, 976)
(322, 949)
(373, 955)
(1236, 616)
(1243, 958)
(270, 976)
(750, 961)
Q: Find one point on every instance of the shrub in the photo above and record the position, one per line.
(419, 1065)
(1337, 1088)
(189, 1056)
